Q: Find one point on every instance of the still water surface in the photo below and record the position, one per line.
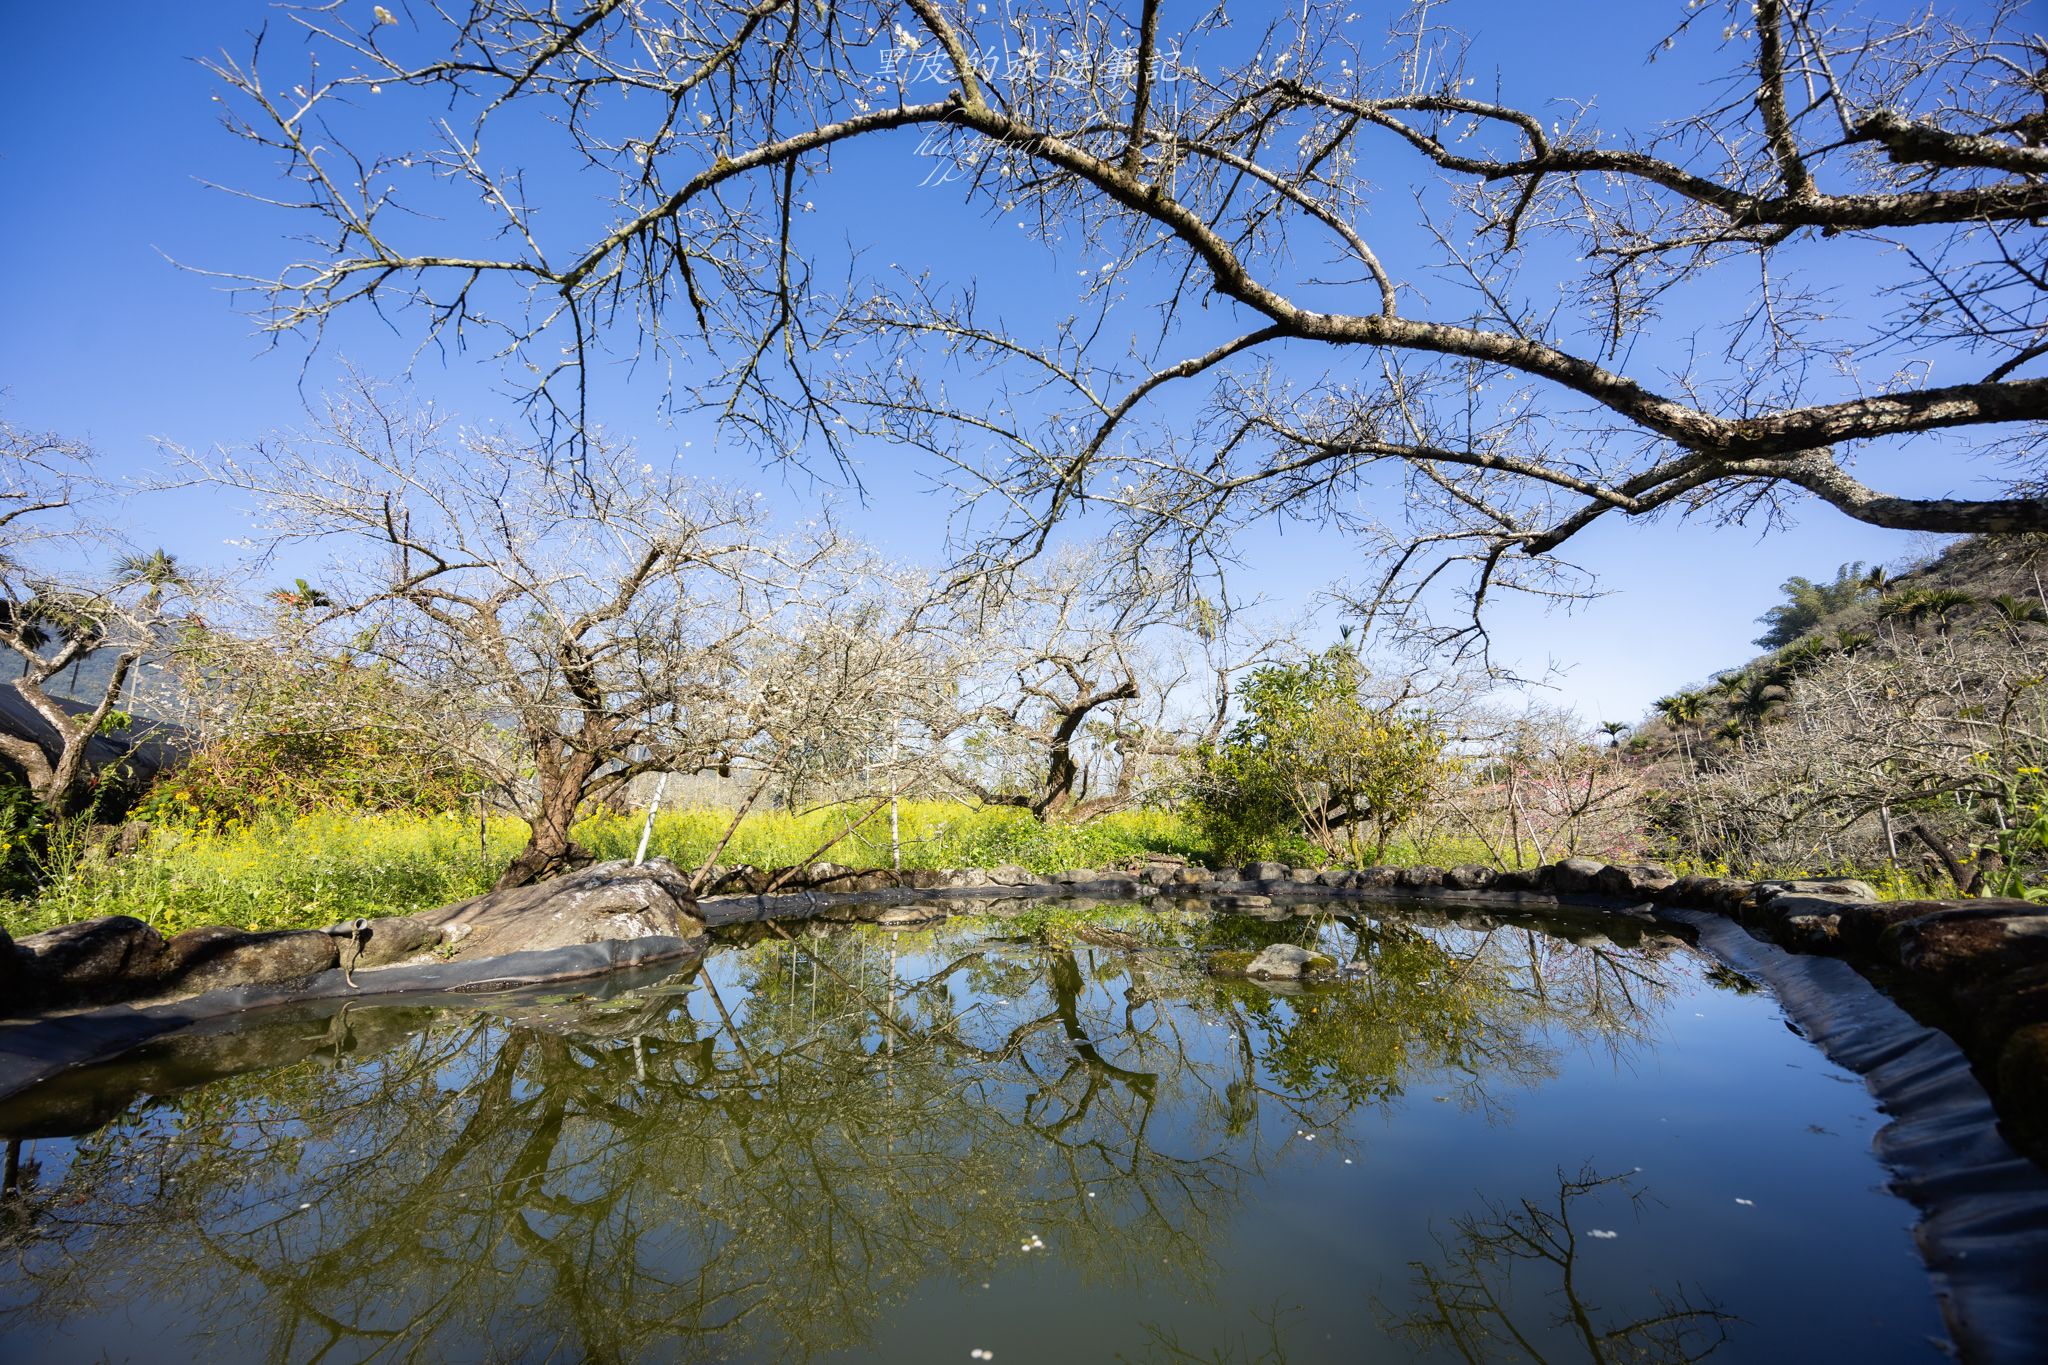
(1494, 1144)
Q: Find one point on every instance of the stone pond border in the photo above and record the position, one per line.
(1941, 1006)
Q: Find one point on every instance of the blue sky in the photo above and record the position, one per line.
(113, 134)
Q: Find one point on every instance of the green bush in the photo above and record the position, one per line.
(1316, 763)
(249, 777)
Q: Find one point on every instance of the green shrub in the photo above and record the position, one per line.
(1316, 762)
(250, 777)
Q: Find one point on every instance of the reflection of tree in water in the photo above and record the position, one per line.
(1467, 1302)
(766, 1157)
(1474, 1009)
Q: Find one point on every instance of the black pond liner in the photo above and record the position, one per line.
(1984, 1208)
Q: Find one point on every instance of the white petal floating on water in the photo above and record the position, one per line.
(1746, 1203)
(1603, 1234)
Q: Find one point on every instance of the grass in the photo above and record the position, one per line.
(934, 834)
(282, 874)
(314, 870)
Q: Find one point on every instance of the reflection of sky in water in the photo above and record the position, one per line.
(915, 1146)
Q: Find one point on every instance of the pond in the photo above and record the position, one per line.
(1040, 1136)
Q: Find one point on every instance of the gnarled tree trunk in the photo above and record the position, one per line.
(549, 849)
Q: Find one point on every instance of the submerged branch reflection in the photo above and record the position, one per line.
(1468, 1301)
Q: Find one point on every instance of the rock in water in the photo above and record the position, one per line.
(608, 901)
(208, 959)
(111, 958)
(380, 942)
(1275, 962)
(1634, 879)
(1575, 876)
(911, 916)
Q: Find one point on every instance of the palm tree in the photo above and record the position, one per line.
(1919, 604)
(1614, 730)
(1761, 697)
(158, 570)
(1797, 658)
(2017, 612)
(1681, 708)
(1944, 602)
(301, 596)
